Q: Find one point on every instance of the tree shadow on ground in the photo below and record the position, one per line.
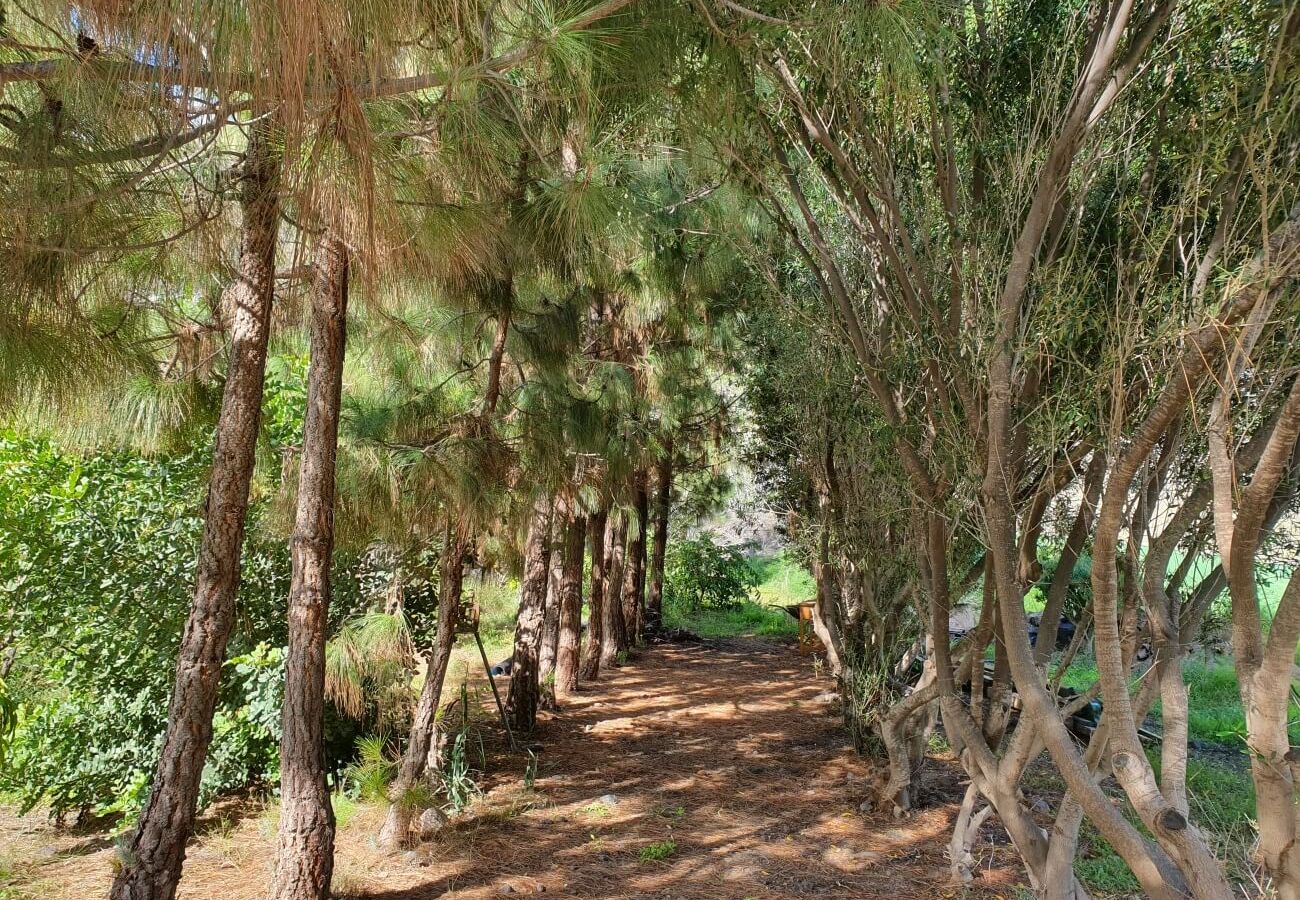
(722, 762)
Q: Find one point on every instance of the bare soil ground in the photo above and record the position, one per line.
(720, 758)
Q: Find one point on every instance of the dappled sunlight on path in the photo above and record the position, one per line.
(721, 759)
(716, 772)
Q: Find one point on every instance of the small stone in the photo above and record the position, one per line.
(608, 800)
(521, 886)
(1040, 806)
(431, 822)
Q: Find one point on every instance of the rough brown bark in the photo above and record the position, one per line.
(151, 863)
(634, 564)
(596, 608)
(551, 609)
(659, 552)
(566, 656)
(493, 393)
(590, 667)
(614, 638)
(523, 698)
(305, 860)
(415, 760)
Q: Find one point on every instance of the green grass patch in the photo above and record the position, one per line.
(781, 580)
(1102, 871)
(747, 620)
(1220, 797)
(1214, 715)
(345, 808)
(1214, 705)
(659, 850)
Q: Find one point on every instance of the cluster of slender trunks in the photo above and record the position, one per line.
(550, 656)
(1124, 490)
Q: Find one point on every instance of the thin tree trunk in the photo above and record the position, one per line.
(415, 761)
(634, 566)
(566, 656)
(551, 610)
(522, 703)
(493, 393)
(614, 638)
(826, 616)
(596, 608)
(151, 864)
(305, 861)
(659, 553)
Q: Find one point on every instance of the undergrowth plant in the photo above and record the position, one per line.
(456, 777)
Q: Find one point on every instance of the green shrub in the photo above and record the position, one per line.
(96, 579)
(701, 574)
(659, 850)
(372, 772)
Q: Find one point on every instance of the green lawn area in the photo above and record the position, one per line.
(1215, 715)
(782, 581)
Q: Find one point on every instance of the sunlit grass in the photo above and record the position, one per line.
(782, 580)
(747, 620)
(1214, 715)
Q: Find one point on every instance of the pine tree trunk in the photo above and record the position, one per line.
(551, 611)
(305, 861)
(415, 761)
(566, 656)
(522, 702)
(663, 504)
(634, 565)
(614, 638)
(596, 607)
(151, 864)
(493, 393)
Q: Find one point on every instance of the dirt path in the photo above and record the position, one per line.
(721, 759)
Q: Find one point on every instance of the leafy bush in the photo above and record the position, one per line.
(247, 727)
(701, 574)
(96, 574)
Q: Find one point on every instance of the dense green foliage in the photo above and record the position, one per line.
(96, 566)
(700, 574)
